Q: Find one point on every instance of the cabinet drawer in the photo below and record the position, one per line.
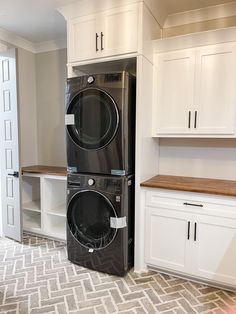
(195, 203)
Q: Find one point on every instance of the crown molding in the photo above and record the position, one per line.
(213, 37)
(50, 45)
(15, 40)
(10, 39)
(200, 15)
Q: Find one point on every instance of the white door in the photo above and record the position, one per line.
(174, 92)
(214, 249)
(215, 94)
(119, 33)
(168, 239)
(84, 38)
(9, 147)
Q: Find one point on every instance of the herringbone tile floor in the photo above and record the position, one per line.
(36, 277)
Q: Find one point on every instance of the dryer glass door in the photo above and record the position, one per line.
(88, 218)
(96, 119)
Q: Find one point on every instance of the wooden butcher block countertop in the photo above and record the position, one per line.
(57, 171)
(189, 184)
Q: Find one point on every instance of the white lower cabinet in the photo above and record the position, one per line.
(194, 236)
(166, 238)
(214, 251)
(44, 204)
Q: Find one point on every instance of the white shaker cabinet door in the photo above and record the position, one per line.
(83, 38)
(215, 93)
(119, 34)
(167, 239)
(174, 93)
(214, 249)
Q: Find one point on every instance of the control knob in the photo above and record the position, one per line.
(91, 182)
(90, 79)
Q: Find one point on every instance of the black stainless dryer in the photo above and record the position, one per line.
(100, 222)
(100, 120)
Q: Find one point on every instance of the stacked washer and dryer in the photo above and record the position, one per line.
(100, 123)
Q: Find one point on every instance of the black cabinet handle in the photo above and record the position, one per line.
(102, 48)
(97, 42)
(195, 232)
(195, 120)
(189, 119)
(191, 204)
(14, 174)
(188, 230)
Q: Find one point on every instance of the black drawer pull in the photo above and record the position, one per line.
(102, 35)
(97, 41)
(195, 232)
(195, 120)
(189, 119)
(188, 230)
(191, 204)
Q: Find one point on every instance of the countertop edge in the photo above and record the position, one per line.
(220, 189)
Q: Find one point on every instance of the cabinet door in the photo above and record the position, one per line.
(214, 251)
(119, 34)
(167, 244)
(83, 37)
(174, 92)
(215, 94)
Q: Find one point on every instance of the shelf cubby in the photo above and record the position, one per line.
(31, 220)
(44, 203)
(55, 226)
(31, 193)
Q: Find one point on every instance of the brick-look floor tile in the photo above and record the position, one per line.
(37, 278)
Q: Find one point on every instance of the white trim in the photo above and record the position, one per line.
(12, 39)
(196, 39)
(15, 40)
(85, 7)
(199, 15)
(50, 45)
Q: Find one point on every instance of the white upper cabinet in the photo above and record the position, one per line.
(174, 92)
(109, 33)
(83, 37)
(215, 97)
(195, 93)
(120, 31)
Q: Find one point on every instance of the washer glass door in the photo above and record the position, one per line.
(88, 218)
(96, 119)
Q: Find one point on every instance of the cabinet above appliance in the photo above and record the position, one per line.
(110, 32)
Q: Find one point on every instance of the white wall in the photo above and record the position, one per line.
(27, 105)
(50, 86)
(207, 158)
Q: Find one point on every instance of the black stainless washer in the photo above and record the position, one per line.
(100, 222)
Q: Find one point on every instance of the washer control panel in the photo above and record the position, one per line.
(108, 184)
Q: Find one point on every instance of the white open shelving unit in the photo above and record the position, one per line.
(44, 204)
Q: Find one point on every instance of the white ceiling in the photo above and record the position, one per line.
(34, 20)
(38, 20)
